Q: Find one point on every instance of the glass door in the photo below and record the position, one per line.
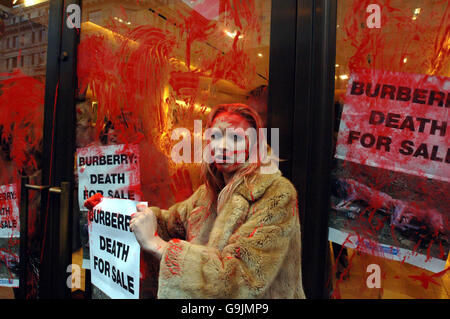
(23, 60)
(389, 223)
(147, 69)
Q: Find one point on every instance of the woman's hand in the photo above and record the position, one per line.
(144, 225)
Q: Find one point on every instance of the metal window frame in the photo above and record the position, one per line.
(301, 95)
(58, 150)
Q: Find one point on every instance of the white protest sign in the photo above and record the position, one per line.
(112, 171)
(114, 250)
(9, 211)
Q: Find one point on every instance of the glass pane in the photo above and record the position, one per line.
(146, 68)
(22, 82)
(391, 174)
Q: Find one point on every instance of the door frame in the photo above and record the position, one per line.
(300, 104)
(58, 150)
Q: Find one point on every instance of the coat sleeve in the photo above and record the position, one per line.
(172, 221)
(249, 262)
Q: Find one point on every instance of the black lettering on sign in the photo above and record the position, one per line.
(8, 196)
(5, 211)
(375, 92)
(429, 152)
(376, 118)
(357, 88)
(394, 120)
(115, 178)
(118, 221)
(10, 224)
(420, 96)
(407, 147)
(118, 159)
(388, 90)
(115, 248)
(89, 193)
(368, 140)
(408, 123)
(401, 93)
(122, 194)
(119, 277)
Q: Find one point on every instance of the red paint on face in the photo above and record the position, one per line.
(223, 122)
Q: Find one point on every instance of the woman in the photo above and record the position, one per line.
(238, 235)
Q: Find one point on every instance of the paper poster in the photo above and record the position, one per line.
(390, 184)
(9, 236)
(112, 171)
(397, 121)
(9, 211)
(114, 250)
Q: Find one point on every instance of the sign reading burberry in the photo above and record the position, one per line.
(397, 121)
(112, 171)
(9, 211)
(114, 250)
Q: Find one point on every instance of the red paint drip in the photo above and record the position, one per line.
(427, 279)
(21, 121)
(93, 201)
(254, 231)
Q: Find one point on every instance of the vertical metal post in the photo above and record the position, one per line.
(88, 285)
(282, 77)
(23, 255)
(59, 146)
(314, 114)
(65, 238)
(51, 113)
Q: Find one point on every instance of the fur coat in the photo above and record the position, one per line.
(251, 248)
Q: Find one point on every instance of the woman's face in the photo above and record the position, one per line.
(231, 145)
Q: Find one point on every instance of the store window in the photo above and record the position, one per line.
(148, 68)
(389, 225)
(22, 91)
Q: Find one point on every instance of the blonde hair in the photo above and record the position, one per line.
(218, 192)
